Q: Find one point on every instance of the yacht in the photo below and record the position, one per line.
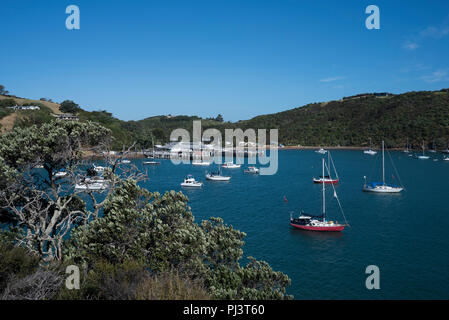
(319, 222)
(321, 150)
(370, 151)
(217, 176)
(231, 165)
(151, 162)
(98, 169)
(201, 163)
(381, 187)
(94, 183)
(125, 161)
(423, 157)
(328, 178)
(191, 182)
(60, 173)
(252, 169)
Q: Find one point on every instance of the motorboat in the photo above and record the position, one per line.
(201, 163)
(252, 170)
(321, 151)
(92, 183)
(60, 174)
(191, 182)
(231, 165)
(98, 169)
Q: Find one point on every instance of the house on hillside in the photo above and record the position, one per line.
(15, 108)
(66, 117)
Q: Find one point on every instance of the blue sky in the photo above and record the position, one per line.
(238, 58)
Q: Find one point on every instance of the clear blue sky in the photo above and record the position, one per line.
(238, 58)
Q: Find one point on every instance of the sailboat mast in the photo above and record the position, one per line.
(324, 197)
(383, 162)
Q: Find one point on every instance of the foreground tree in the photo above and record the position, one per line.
(3, 90)
(43, 205)
(160, 233)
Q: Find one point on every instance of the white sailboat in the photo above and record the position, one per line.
(151, 162)
(423, 157)
(381, 187)
(217, 176)
(406, 148)
(433, 150)
(370, 151)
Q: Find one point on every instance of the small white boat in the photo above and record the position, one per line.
(231, 165)
(252, 169)
(321, 150)
(446, 159)
(217, 176)
(98, 168)
(423, 157)
(370, 152)
(191, 182)
(95, 183)
(125, 161)
(150, 163)
(201, 163)
(60, 174)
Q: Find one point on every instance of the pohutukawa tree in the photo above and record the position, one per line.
(45, 206)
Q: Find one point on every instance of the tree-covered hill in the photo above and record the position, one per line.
(352, 122)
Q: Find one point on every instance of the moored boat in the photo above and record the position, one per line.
(230, 165)
(252, 170)
(328, 178)
(191, 182)
(381, 187)
(318, 222)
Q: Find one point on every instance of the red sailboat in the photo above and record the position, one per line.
(318, 222)
(328, 178)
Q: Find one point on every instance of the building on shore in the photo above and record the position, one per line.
(66, 117)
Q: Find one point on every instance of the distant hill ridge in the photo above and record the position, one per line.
(352, 121)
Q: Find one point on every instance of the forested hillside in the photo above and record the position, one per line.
(351, 121)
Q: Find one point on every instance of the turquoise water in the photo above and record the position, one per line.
(406, 235)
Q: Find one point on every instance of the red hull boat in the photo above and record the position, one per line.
(325, 180)
(319, 222)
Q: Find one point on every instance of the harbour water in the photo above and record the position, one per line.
(405, 235)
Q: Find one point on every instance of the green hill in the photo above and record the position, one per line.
(352, 121)
(419, 116)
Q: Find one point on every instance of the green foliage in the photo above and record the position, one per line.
(14, 261)
(160, 233)
(68, 106)
(3, 90)
(417, 115)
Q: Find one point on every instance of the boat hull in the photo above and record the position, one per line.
(383, 190)
(326, 181)
(336, 228)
